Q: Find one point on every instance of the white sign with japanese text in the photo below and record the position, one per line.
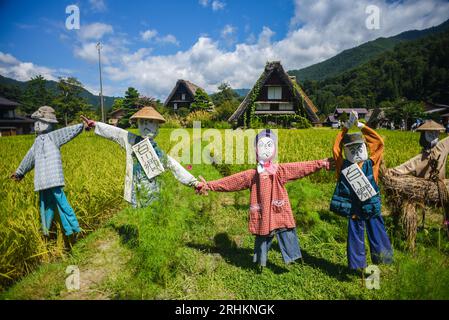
(359, 182)
(148, 158)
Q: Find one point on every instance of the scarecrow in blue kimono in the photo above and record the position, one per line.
(357, 196)
(45, 157)
(140, 190)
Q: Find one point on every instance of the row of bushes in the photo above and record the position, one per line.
(208, 120)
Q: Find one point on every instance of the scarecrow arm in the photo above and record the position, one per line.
(338, 151)
(408, 167)
(27, 164)
(64, 135)
(235, 182)
(296, 170)
(119, 135)
(375, 145)
(180, 173)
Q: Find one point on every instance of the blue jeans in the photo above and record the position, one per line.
(288, 243)
(379, 242)
(53, 198)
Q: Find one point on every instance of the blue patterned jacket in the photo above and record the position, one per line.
(45, 157)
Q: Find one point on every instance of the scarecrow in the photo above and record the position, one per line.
(141, 189)
(356, 195)
(45, 156)
(421, 180)
(270, 212)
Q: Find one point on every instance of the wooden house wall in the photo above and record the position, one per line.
(275, 80)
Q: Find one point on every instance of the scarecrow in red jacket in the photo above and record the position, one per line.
(357, 196)
(270, 212)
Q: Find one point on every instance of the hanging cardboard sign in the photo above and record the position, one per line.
(359, 182)
(148, 158)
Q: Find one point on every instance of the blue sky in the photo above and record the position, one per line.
(150, 44)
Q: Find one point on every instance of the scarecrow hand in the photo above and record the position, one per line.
(331, 165)
(16, 177)
(202, 188)
(353, 119)
(88, 124)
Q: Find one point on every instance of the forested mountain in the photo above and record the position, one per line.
(413, 70)
(354, 57)
(12, 89)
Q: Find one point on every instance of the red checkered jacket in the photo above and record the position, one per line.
(269, 204)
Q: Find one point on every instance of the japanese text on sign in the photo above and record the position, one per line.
(148, 158)
(359, 182)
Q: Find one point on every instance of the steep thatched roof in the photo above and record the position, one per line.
(275, 66)
(8, 103)
(191, 88)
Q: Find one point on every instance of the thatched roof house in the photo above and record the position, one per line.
(275, 95)
(10, 123)
(182, 95)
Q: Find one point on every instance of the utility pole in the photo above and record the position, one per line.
(101, 81)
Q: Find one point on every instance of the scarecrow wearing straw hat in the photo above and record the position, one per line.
(45, 156)
(432, 148)
(356, 195)
(270, 212)
(140, 188)
(430, 164)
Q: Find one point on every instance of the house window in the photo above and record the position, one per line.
(285, 106)
(262, 106)
(175, 106)
(274, 93)
(183, 96)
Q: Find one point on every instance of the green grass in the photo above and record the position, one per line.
(190, 247)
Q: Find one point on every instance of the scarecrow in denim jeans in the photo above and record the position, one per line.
(357, 195)
(45, 157)
(140, 190)
(270, 212)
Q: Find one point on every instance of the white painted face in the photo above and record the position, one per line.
(431, 136)
(356, 152)
(266, 149)
(41, 126)
(148, 128)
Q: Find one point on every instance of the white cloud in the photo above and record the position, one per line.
(217, 5)
(94, 31)
(11, 67)
(151, 34)
(148, 34)
(214, 4)
(98, 5)
(8, 59)
(319, 30)
(228, 34)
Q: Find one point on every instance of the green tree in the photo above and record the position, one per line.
(225, 93)
(118, 104)
(69, 102)
(201, 101)
(35, 95)
(226, 109)
(130, 106)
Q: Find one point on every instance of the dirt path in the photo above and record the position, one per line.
(108, 257)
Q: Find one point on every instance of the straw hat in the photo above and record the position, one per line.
(148, 113)
(46, 114)
(430, 125)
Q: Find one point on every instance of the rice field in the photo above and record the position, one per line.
(186, 226)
